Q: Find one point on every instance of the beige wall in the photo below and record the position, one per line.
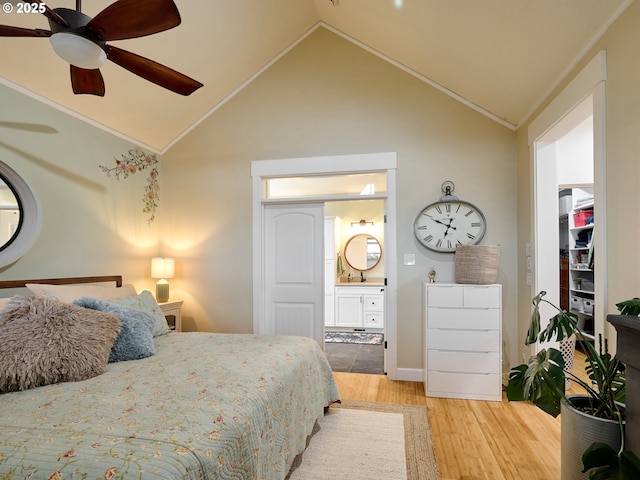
(329, 97)
(325, 97)
(622, 167)
(92, 224)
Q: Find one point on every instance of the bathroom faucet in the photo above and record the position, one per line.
(362, 279)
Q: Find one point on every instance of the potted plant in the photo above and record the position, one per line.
(542, 382)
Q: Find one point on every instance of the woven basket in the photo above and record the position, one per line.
(477, 264)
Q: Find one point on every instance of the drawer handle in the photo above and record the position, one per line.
(485, 330)
(461, 373)
(460, 351)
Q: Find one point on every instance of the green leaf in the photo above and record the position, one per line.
(534, 327)
(629, 307)
(515, 387)
(602, 462)
(630, 465)
(541, 381)
(562, 325)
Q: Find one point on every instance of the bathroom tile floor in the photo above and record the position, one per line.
(355, 358)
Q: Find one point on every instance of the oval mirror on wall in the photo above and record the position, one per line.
(10, 213)
(20, 216)
(363, 252)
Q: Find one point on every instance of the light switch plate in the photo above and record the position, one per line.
(409, 258)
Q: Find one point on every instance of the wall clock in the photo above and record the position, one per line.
(449, 222)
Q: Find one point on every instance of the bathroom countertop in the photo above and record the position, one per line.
(373, 282)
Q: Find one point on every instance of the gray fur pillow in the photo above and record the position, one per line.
(45, 341)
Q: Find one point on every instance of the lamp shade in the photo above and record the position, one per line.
(162, 267)
(78, 50)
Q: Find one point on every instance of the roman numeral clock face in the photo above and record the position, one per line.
(444, 225)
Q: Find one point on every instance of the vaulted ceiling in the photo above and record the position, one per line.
(501, 57)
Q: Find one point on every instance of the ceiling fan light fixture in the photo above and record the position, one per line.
(77, 50)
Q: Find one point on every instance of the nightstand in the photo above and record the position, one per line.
(173, 309)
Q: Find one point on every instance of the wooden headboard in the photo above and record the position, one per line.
(117, 279)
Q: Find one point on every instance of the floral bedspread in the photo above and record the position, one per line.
(206, 406)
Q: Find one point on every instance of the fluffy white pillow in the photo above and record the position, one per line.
(45, 341)
(69, 293)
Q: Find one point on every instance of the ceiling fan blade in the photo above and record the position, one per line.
(153, 71)
(85, 81)
(28, 127)
(51, 14)
(9, 31)
(134, 18)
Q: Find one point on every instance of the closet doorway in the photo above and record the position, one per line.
(567, 142)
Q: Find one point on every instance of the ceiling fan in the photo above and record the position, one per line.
(81, 41)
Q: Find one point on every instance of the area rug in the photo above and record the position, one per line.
(363, 440)
(354, 337)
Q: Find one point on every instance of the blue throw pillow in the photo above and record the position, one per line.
(135, 340)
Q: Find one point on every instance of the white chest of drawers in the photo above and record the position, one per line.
(463, 341)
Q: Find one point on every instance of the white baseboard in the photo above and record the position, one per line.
(410, 374)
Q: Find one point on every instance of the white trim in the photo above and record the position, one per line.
(342, 164)
(410, 375)
(239, 88)
(571, 65)
(589, 81)
(579, 88)
(77, 115)
(31, 217)
(330, 165)
(352, 40)
(163, 149)
(421, 77)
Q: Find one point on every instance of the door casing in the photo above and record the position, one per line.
(331, 165)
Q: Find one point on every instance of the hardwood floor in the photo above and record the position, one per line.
(473, 440)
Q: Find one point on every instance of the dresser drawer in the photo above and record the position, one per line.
(445, 296)
(464, 385)
(467, 319)
(463, 362)
(464, 296)
(482, 296)
(463, 340)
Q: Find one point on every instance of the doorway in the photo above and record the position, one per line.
(567, 142)
(311, 169)
(354, 285)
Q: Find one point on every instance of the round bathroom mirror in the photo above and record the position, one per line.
(20, 216)
(363, 252)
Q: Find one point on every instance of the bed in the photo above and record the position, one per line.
(202, 406)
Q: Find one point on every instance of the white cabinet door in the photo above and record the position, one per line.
(349, 310)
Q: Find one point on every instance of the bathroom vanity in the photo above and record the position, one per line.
(359, 306)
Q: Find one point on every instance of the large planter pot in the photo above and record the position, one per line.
(578, 431)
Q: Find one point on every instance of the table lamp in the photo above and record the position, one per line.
(162, 268)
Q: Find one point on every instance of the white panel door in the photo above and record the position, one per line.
(294, 270)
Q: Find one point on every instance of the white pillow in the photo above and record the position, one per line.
(145, 302)
(4, 302)
(69, 293)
